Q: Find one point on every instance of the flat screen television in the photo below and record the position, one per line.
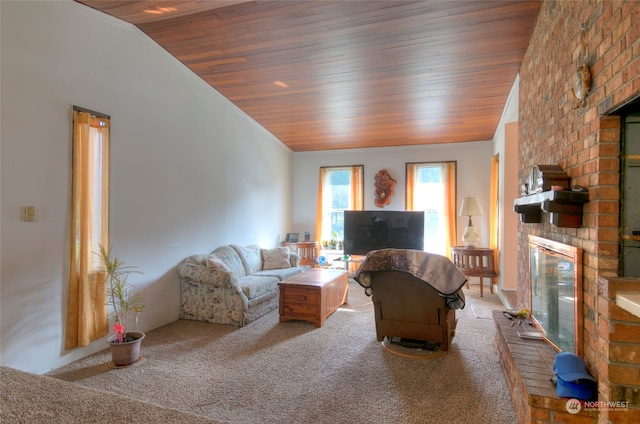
(365, 231)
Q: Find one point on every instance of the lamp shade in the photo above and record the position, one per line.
(470, 207)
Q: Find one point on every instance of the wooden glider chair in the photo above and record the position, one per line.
(414, 294)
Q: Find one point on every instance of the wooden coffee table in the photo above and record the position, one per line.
(313, 295)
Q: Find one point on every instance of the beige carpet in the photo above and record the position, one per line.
(35, 399)
(269, 372)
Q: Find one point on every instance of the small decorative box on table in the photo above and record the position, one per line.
(313, 295)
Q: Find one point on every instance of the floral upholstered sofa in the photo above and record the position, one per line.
(234, 284)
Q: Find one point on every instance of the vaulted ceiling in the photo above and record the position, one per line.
(343, 74)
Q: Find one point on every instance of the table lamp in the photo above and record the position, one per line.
(470, 207)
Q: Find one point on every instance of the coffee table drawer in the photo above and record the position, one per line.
(299, 302)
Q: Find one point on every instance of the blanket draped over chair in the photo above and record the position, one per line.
(436, 270)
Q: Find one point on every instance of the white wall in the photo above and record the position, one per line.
(473, 176)
(189, 170)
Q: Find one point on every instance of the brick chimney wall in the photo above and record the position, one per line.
(585, 142)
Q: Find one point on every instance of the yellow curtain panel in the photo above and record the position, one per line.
(450, 206)
(319, 205)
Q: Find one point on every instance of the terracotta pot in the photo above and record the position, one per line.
(123, 354)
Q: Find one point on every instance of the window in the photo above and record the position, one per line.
(431, 188)
(87, 310)
(340, 189)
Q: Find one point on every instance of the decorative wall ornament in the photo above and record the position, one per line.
(582, 77)
(384, 185)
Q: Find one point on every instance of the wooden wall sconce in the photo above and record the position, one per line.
(582, 77)
(384, 185)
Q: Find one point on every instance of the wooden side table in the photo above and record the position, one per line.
(308, 251)
(476, 262)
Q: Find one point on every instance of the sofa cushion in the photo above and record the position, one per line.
(250, 257)
(231, 259)
(276, 258)
(254, 286)
(214, 261)
(294, 258)
(281, 274)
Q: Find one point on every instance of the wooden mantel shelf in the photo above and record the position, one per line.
(564, 207)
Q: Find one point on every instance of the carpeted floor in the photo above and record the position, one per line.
(27, 398)
(292, 372)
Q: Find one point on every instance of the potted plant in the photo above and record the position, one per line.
(334, 239)
(125, 345)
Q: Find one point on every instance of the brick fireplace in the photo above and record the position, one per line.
(586, 142)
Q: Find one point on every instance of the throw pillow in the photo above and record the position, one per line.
(276, 258)
(215, 262)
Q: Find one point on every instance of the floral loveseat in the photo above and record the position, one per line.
(234, 284)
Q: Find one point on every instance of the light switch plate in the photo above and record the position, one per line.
(30, 214)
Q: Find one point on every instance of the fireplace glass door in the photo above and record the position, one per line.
(555, 293)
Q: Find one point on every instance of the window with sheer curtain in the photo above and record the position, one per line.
(87, 315)
(339, 189)
(431, 187)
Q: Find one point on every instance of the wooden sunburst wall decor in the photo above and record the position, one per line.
(582, 77)
(384, 185)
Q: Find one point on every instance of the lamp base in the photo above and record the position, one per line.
(470, 237)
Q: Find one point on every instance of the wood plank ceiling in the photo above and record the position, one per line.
(325, 75)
